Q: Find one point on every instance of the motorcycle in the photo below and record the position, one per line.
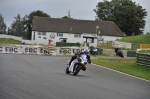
(119, 52)
(76, 65)
(93, 50)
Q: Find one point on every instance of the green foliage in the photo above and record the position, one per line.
(2, 25)
(145, 51)
(9, 41)
(23, 26)
(66, 17)
(124, 35)
(141, 39)
(128, 16)
(17, 27)
(69, 16)
(125, 65)
(28, 20)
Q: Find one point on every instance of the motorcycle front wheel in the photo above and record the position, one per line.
(77, 69)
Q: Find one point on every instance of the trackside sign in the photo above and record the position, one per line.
(39, 50)
(23, 49)
(144, 46)
(122, 44)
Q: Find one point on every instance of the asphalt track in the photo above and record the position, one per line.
(44, 77)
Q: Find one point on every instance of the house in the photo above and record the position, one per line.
(73, 31)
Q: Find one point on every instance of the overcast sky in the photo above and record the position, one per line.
(80, 9)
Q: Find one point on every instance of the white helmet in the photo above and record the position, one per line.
(86, 50)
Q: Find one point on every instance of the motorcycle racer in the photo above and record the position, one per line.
(75, 59)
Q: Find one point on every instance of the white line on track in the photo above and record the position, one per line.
(121, 72)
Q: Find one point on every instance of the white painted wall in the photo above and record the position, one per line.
(109, 38)
(70, 38)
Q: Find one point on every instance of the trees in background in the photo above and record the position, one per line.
(17, 27)
(129, 16)
(69, 15)
(28, 21)
(22, 26)
(2, 25)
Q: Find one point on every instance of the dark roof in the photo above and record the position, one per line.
(46, 24)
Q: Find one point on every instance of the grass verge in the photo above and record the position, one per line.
(125, 65)
(9, 41)
(145, 51)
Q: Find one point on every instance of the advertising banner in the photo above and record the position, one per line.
(27, 49)
(144, 46)
(39, 50)
(122, 45)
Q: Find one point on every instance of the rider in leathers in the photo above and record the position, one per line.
(86, 51)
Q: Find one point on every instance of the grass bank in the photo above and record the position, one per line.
(140, 39)
(135, 40)
(9, 41)
(124, 65)
(145, 51)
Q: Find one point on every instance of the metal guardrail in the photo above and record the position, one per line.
(143, 59)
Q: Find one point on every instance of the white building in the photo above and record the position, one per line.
(73, 31)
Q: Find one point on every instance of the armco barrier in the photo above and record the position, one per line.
(99, 50)
(143, 59)
(131, 53)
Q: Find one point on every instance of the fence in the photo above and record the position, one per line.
(143, 59)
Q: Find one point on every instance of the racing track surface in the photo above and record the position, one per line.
(44, 77)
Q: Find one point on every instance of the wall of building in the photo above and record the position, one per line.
(43, 39)
(108, 38)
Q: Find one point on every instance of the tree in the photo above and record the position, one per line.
(128, 16)
(28, 21)
(69, 15)
(2, 25)
(17, 27)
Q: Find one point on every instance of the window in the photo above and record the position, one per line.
(90, 40)
(44, 33)
(60, 34)
(41, 33)
(77, 35)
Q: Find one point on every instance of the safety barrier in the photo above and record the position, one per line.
(131, 53)
(39, 50)
(143, 59)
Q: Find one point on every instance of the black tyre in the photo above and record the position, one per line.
(67, 70)
(121, 54)
(76, 70)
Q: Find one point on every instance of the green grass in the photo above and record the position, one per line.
(140, 39)
(124, 65)
(107, 45)
(145, 51)
(9, 41)
(135, 40)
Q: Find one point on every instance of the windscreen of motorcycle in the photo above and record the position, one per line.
(83, 56)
